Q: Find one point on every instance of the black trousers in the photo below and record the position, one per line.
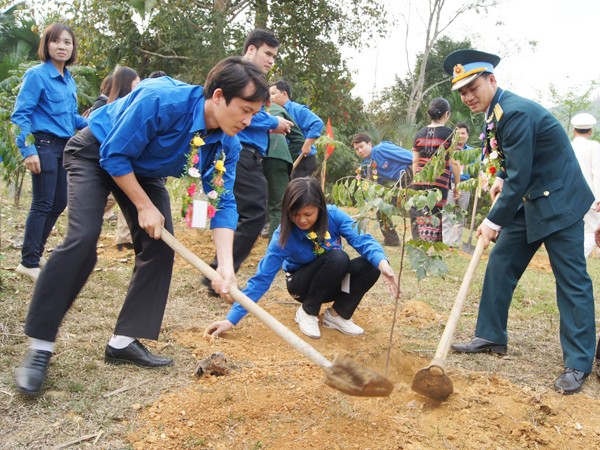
(250, 190)
(306, 168)
(71, 263)
(321, 281)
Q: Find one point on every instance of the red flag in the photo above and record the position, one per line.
(330, 147)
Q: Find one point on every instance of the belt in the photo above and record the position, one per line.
(49, 137)
(252, 150)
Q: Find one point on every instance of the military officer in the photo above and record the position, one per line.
(542, 197)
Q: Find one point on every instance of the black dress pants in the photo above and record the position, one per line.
(71, 263)
(321, 281)
(250, 190)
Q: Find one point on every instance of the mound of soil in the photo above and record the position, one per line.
(273, 397)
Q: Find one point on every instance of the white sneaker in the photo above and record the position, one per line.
(340, 324)
(43, 262)
(308, 324)
(31, 272)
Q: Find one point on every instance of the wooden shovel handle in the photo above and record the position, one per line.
(472, 227)
(297, 162)
(446, 340)
(275, 325)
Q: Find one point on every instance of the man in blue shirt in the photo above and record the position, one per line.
(386, 164)
(452, 229)
(250, 188)
(129, 146)
(310, 124)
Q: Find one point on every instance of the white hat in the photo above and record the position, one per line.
(583, 121)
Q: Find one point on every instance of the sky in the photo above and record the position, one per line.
(566, 54)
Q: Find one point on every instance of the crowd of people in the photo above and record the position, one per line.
(256, 153)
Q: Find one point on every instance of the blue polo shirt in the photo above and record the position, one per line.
(391, 160)
(310, 124)
(298, 252)
(149, 131)
(256, 135)
(47, 103)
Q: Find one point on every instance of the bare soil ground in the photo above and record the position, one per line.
(273, 397)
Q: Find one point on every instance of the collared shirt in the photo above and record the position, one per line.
(299, 251)
(391, 160)
(587, 152)
(310, 124)
(47, 103)
(256, 134)
(149, 131)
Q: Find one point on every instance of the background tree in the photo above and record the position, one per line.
(389, 109)
(19, 38)
(574, 101)
(435, 20)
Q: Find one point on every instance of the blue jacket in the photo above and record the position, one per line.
(256, 134)
(298, 251)
(310, 124)
(149, 131)
(47, 103)
(391, 160)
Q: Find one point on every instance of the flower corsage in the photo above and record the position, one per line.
(492, 157)
(194, 196)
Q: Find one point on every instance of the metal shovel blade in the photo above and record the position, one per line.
(350, 378)
(433, 382)
(467, 247)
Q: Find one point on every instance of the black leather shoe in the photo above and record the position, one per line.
(127, 245)
(135, 353)
(480, 345)
(570, 381)
(32, 373)
(206, 282)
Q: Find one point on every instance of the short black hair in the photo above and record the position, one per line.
(157, 74)
(301, 192)
(259, 37)
(232, 76)
(361, 137)
(462, 125)
(283, 86)
(51, 33)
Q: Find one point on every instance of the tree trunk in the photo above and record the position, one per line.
(261, 8)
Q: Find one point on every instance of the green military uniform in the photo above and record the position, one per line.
(543, 201)
(277, 165)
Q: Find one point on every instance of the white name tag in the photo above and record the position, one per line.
(346, 284)
(199, 214)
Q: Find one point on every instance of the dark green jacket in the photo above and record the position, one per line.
(541, 174)
(281, 146)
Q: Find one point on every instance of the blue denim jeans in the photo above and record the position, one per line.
(49, 197)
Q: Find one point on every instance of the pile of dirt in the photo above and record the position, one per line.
(273, 397)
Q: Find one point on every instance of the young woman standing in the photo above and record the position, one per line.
(46, 108)
(428, 142)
